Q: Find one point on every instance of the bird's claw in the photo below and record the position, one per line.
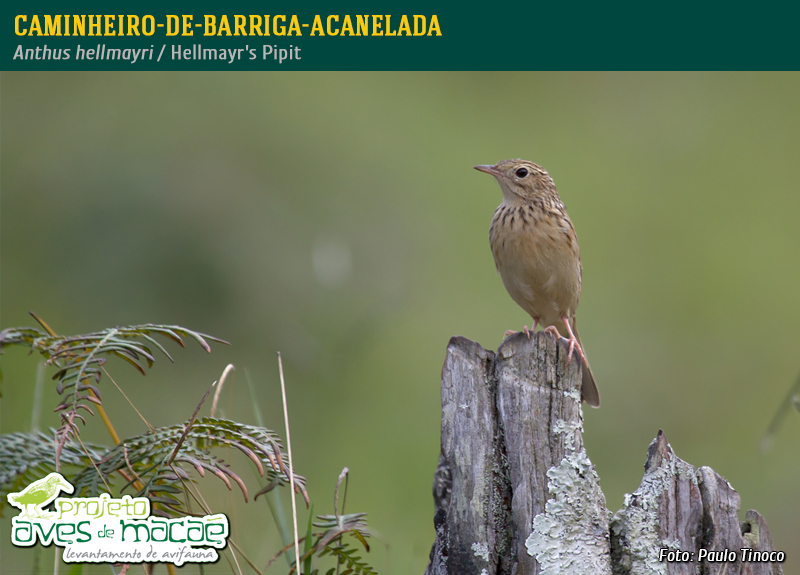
(524, 329)
(552, 329)
(573, 343)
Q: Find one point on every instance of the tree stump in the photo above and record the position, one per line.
(516, 494)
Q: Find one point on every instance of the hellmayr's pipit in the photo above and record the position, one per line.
(536, 253)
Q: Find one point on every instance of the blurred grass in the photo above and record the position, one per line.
(205, 200)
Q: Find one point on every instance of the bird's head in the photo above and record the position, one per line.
(521, 180)
(56, 480)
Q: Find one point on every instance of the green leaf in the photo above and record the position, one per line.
(26, 457)
(79, 359)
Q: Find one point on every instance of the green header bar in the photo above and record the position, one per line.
(397, 36)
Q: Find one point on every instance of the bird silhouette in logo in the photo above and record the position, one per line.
(38, 494)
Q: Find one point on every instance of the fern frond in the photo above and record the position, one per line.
(26, 457)
(347, 557)
(146, 455)
(336, 526)
(80, 359)
(329, 542)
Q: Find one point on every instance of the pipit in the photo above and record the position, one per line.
(536, 253)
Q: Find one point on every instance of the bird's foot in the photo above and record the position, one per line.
(552, 329)
(574, 344)
(524, 329)
(35, 513)
(571, 340)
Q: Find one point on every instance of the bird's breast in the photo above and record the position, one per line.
(537, 256)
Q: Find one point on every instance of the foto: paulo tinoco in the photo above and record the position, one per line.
(745, 555)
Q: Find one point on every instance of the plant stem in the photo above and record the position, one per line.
(291, 464)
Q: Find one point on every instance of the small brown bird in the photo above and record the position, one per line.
(536, 253)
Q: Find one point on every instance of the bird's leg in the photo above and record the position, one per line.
(573, 343)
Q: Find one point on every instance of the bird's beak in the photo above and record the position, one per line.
(491, 170)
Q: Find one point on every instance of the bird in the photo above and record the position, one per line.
(536, 253)
(38, 494)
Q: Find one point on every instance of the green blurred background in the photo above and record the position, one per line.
(336, 217)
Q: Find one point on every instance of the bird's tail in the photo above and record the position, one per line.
(589, 391)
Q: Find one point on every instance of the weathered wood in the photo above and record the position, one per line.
(516, 494)
(469, 458)
(511, 443)
(557, 509)
(678, 507)
(665, 511)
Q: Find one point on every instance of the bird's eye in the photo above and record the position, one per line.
(521, 172)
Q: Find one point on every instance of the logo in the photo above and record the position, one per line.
(108, 530)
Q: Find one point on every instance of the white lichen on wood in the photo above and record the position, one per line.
(571, 536)
(638, 523)
(481, 550)
(572, 431)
